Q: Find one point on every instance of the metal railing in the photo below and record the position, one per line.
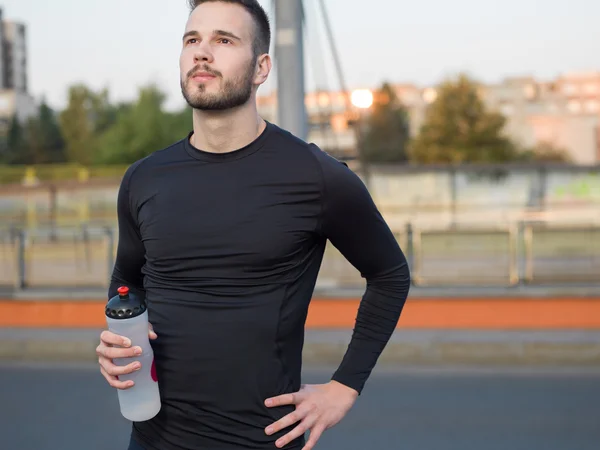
(57, 257)
(561, 253)
(474, 255)
(521, 253)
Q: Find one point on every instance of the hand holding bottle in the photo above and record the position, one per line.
(127, 358)
(114, 346)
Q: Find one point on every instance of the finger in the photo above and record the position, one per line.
(115, 370)
(302, 428)
(287, 421)
(110, 338)
(114, 382)
(115, 352)
(151, 333)
(285, 399)
(315, 434)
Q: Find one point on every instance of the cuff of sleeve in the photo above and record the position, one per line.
(353, 381)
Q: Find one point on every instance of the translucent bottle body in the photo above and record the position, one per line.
(141, 401)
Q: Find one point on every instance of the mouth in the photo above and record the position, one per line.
(202, 76)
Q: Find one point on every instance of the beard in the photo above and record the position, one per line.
(234, 92)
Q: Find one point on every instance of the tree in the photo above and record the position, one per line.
(546, 152)
(76, 125)
(15, 143)
(33, 142)
(87, 115)
(36, 141)
(104, 113)
(142, 128)
(458, 128)
(50, 137)
(387, 129)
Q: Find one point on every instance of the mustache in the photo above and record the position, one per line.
(204, 68)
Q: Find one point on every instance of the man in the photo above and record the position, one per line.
(224, 233)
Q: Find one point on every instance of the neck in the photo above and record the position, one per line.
(225, 131)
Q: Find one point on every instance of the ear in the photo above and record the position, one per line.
(263, 68)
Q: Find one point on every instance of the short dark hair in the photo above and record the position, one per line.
(262, 38)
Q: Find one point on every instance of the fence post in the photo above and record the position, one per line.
(528, 252)
(87, 254)
(453, 195)
(21, 259)
(520, 250)
(53, 212)
(514, 272)
(416, 256)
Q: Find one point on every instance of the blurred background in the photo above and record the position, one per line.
(476, 128)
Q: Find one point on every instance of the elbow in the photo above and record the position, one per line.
(383, 302)
(394, 282)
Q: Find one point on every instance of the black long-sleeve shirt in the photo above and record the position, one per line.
(227, 247)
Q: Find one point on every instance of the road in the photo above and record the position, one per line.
(49, 407)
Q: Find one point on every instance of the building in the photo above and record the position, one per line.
(564, 112)
(330, 120)
(15, 98)
(14, 56)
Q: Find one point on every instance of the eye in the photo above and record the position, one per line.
(191, 41)
(225, 41)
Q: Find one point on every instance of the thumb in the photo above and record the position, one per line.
(151, 332)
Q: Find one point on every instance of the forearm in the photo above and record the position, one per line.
(354, 225)
(376, 320)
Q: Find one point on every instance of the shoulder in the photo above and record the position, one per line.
(140, 169)
(308, 154)
(340, 186)
(338, 179)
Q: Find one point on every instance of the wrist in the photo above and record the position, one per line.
(345, 389)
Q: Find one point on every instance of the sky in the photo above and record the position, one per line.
(125, 44)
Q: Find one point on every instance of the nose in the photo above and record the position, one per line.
(203, 53)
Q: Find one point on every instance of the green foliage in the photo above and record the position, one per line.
(76, 123)
(95, 133)
(387, 129)
(91, 130)
(141, 129)
(15, 143)
(546, 152)
(36, 141)
(458, 128)
(51, 143)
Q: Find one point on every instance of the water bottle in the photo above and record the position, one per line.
(127, 316)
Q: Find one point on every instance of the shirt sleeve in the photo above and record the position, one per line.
(131, 254)
(353, 224)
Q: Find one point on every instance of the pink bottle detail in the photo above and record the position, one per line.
(153, 372)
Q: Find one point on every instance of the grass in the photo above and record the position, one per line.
(58, 172)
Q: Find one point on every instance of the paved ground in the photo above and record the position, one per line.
(47, 407)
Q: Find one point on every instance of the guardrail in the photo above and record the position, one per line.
(521, 253)
(57, 257)
(474, 255)
(561, 253)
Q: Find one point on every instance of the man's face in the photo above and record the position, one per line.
(217, 64)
